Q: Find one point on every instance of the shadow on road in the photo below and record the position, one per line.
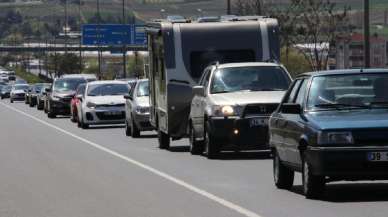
(352, 192)
(179, 148)
(244, 156)
(93, 127)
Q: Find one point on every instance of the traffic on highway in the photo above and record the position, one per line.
(216, 127)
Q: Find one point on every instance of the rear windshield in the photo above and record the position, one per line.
(107, 89)
(251, 78)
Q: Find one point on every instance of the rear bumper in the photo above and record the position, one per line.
(241, 133)
(61, 108)
(347, 163)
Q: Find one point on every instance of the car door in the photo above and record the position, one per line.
(279, 130)
(131, 102)
(295, 126)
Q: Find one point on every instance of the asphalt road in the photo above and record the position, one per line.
(51, 168)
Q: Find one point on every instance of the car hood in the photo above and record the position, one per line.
(143, 101)
(18, 91)
(349, 119)
(243, 98)
(64, 93)
(110, 100)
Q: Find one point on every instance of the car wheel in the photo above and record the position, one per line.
(164, 140)
(135, 132)
(84, 126)
(50, 113)
(196, 147)
(283, 176)
(212, 150)
(127, 129)
(32, 104)
(313, 186)
(11, 100)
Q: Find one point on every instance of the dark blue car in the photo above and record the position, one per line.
(331, 126)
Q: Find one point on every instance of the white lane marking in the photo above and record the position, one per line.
(177, 181)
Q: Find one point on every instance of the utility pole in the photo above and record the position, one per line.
(124, 44)
(228, 7)
(366, 34)
(80, 37)
(66, 26)
(99, 39)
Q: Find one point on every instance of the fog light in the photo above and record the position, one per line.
(235, 132)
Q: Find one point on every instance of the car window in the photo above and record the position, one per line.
(143, 89)
(107, 89)
(302, 92)
(207, 79)
(294, 90)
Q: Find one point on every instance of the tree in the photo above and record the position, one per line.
(249, 7)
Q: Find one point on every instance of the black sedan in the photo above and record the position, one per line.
(331, 126)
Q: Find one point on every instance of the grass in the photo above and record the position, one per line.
(30, 78)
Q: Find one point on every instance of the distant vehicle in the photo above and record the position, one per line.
(331, 126)
(178, 63)
(176, 19)
(6, 91)
(4, 77)
(35, 92)
(20, 81)
(88, 77)
(41, 96)
(137, 109)
(59, 96)
(75, 102)
(18, 92)
(11, 76)
(102, 103)
(232, 105)
(208, 19)
(131, 82)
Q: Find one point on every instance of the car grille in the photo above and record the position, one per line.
(20, 94)
(66, 99)
(110, 105)
(259, 109)
(366, 137)
(103, 116)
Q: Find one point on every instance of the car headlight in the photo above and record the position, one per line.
(142, 110)
(91, 105)
(335, 138)
(224, 111)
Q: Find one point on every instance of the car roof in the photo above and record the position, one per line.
(78, 76)
(233, 65)
(343, 72)
(108, 82)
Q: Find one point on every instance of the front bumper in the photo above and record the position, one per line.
(111, 115)
(143, 122)
(20, 97)
(60, 107)
(347, 163)
(250, 133)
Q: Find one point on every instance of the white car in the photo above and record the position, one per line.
(102, 103)
(18, 92)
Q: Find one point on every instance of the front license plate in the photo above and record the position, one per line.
(112, 113)
(377, 156)
(258, 122)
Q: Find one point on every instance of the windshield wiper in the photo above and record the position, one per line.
(339, 105)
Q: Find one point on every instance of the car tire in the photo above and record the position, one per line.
(127, 129)
(51, 113)
(211, 148)
(32, 104)
(196, 147)
(135, 132)
(164, 140)
(84, 126)
(313, 186)
(283, 176)
(11, 100)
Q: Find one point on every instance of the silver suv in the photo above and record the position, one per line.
(232, 105)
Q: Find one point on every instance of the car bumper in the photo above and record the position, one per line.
(245, 133)
(347, 163)
(18, 97)
(143, 122)
(104, 116)
(59, 107)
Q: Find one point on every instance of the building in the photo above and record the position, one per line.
(348, 52)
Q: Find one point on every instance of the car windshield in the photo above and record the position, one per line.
(107, 89)
(67, 84)
(21, 87)
(143, 89)
(350, 91)
(250, 78)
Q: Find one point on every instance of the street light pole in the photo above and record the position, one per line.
(98, 39)
(366, 34)
(228, 7)
(80, 37)
(124, 45)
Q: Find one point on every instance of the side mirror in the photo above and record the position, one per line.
(291, 108)
(199, 91)
(127, 96)
(48, 90)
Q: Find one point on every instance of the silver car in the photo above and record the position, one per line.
(102, 103)
(137, 109)
(232, 105)
(18, 92)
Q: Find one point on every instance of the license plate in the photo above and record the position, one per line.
(378, 156)
(258, 122)
(112, 113)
